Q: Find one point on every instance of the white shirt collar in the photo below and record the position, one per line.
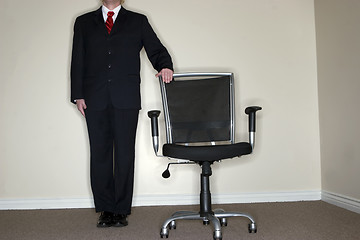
(105, 11)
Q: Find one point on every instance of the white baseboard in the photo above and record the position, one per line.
(28, 204)
(342, 201)
(161, 200)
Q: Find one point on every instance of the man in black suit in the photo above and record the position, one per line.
(105, 86)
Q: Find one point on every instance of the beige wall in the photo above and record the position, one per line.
(338, 51)
(268, 44)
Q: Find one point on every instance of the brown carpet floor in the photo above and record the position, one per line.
(313, 220)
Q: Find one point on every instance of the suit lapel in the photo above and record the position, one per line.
(99, 20)
(119, 22)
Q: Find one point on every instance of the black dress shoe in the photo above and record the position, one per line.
(105, 220)
(119, 220)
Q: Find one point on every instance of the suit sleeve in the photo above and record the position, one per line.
(155, 50)
(77, 63)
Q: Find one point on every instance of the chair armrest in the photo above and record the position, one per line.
(154, 115)
(251, 111)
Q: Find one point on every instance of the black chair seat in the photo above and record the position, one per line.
(206, 153)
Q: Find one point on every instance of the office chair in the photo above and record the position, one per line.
(199, 116)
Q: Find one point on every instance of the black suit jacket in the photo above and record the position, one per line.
(106, 67)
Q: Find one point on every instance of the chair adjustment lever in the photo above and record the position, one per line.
(166, 173)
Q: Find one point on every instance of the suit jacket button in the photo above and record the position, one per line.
(109, 80)
(109, 66)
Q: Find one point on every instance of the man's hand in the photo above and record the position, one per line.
(81, 106)
(167, 75)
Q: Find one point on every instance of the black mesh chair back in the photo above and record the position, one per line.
(199, 108)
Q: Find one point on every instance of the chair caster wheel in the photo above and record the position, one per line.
(172, 225)
(164, 236)
(223, 222)
(164, 233)
(206, 222)
(252, 228)
(217, 235)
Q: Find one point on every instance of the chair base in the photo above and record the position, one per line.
(218, 219)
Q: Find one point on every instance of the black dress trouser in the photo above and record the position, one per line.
(112, 153)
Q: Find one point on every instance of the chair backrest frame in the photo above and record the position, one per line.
(169, 137)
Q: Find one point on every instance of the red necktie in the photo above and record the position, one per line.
(109, 21)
